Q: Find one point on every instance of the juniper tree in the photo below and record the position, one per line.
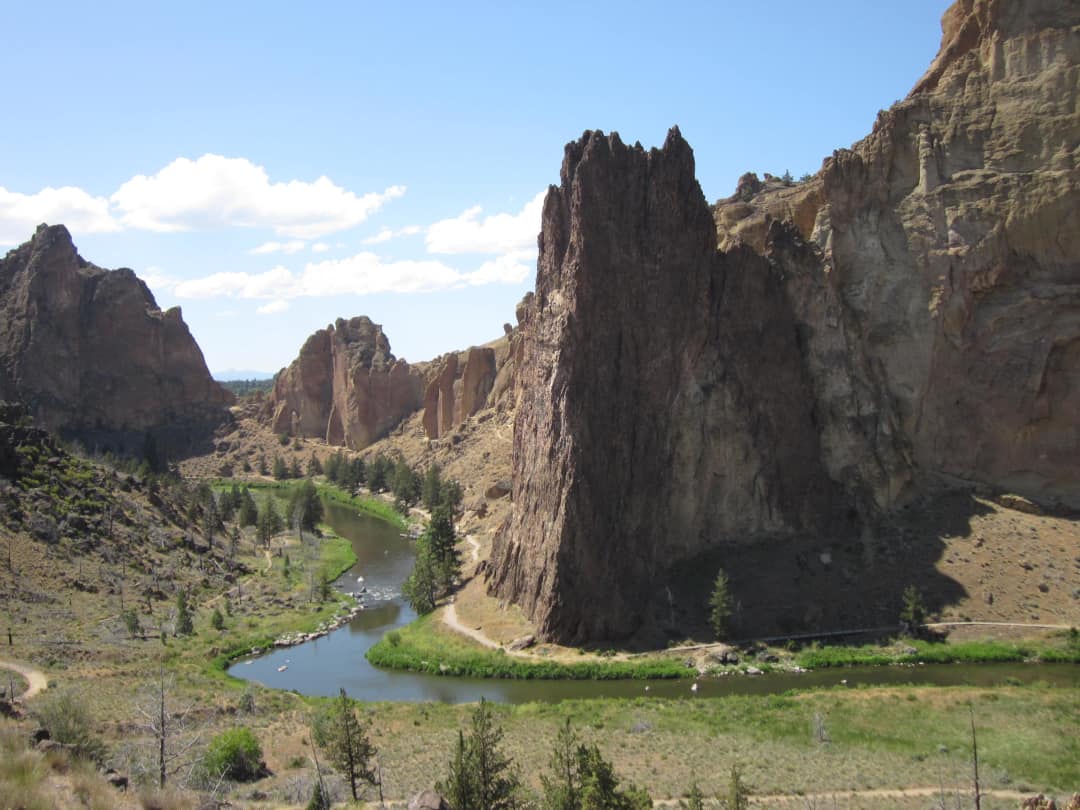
(348, 744)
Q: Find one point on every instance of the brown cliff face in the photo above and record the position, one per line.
(461, 385)
(907, 318)
(645, 428)
(345, 387)
(93, 357)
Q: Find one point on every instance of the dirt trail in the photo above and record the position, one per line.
(34, 677)
(450, 619)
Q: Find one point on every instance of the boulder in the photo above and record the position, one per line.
(428, 800)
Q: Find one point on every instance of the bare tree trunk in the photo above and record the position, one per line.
(161, 729)
(975, 758)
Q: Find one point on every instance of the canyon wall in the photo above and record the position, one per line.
(345, 387)
(908, 319)
(91, 355)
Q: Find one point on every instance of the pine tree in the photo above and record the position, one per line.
(720, 605)
(695, 800)
(420, 587)
(562, 790)
(248, 511)
(349, 746)
(184, 624)
(442, 542)
(913, 613)
(431, 488)
(269, 521)
(281, 472)
(314, 467)
(481, 777)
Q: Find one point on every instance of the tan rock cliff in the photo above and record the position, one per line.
(345, 387)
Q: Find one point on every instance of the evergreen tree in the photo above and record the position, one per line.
(305, 510)
(581, 779)
(217, 621)
(420, 587)
(349, 746)
(913, 612)
(184, 624)
(695, 800)
(294, 469)
(431, 488)
(720, 605)
(405, 485)
(269, 522)
(481, 777)
(377, 473)
(281, 472)
(332, 468)
(262, 465)
(248, 511)
(738, 795)
(314, 466)
(442, 542)
(562, 790)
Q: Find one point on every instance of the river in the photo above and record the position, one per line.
(384, 559)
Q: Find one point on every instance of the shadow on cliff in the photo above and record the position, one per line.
(824, 584)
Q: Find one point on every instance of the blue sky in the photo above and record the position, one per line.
(271, 167)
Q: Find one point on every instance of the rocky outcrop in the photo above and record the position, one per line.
(460, 386)
(345, 387)
(94, 358)
(907, 319)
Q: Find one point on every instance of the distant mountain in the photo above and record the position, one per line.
(241, 374)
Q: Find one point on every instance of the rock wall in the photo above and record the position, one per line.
(907, 319)
(93, 357)
(462, 384)
(345, 387)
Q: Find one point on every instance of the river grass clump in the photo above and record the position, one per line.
(1061, 649)
(423, 647)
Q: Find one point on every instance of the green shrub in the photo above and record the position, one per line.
(235, 753)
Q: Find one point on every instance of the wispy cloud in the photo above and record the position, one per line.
(362, 274)
(273, 308)
(320, 247)
(294, 246)
(498, 233)
(386, 234)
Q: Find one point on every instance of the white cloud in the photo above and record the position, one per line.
(510, 268)
(215, 191)
(20, 214)
(274, 307)
(320, 247)
(386, 234)
(499, 233)
(362, 274)
(294, 246)
(157, 279)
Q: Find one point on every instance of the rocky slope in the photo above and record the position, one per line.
(93, 357)
(345, 387)
(906, 320)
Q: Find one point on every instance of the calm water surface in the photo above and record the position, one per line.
(384, 559)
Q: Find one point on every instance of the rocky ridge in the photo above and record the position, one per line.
(94, 358)
(907, 320)
(345, 387)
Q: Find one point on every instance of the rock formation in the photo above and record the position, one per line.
(93, 357)
(464, 383)
(345, 387)
(907, 319)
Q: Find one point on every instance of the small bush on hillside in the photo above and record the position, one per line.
(235, 753)
(69, 722)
